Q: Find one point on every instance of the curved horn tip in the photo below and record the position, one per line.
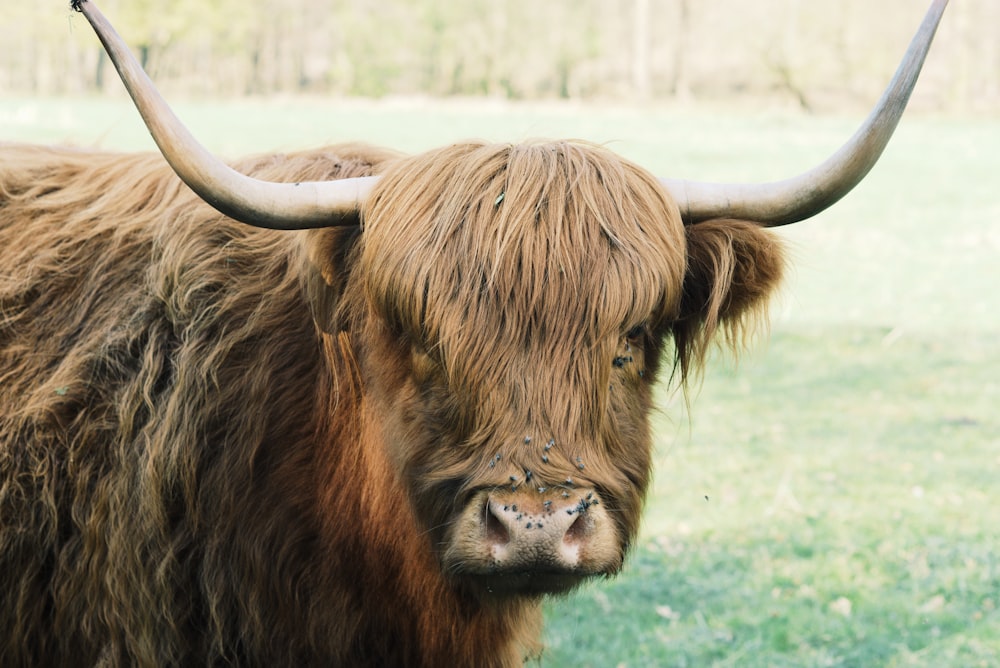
(809, 193)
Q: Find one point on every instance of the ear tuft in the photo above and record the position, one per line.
(733, 268)
(326, 254)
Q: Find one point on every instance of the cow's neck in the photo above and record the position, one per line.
(399, 597)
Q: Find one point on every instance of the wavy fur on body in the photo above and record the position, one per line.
(222, 445)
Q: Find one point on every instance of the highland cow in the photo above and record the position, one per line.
(379, 442)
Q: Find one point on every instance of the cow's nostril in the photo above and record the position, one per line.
(496, 530)
(578, 530)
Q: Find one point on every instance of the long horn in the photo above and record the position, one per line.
(801, 197)
(282, 206)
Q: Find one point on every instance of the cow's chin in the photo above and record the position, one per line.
(521, 585)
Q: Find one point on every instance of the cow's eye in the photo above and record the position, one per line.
(636, 332)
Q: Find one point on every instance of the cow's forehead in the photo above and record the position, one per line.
(532, 242)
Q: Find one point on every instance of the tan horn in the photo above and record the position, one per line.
(801, 197)
(283, 206)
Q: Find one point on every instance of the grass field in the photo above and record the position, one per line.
(831, 501)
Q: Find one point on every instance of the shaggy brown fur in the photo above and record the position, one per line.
(222, 445)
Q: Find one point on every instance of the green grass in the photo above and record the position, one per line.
(833, 501)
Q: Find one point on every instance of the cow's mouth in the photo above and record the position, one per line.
(523, 584)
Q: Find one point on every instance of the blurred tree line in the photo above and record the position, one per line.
(814, 53)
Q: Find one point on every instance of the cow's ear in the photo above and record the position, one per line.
(327, 259)
(733, 267)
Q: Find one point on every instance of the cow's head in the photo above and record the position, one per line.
(521, 298)
(514, 304)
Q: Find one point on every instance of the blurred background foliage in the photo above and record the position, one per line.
(817, 54)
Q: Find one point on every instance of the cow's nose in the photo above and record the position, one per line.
(565, 532)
